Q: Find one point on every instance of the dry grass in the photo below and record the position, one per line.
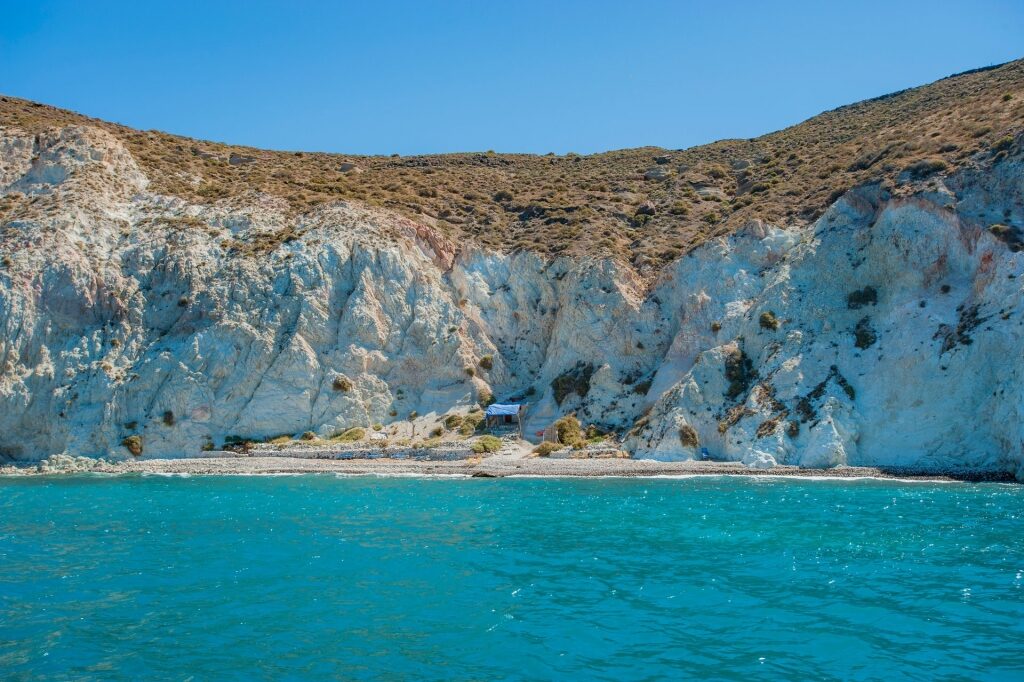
(644, 206)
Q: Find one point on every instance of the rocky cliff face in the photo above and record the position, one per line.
(887, 333)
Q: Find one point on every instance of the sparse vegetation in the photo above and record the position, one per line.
(767, 427)
(576, 380)
(540, 203)
(1011, 236)
(862, 297)
(342, 384)
(864, 334)
(487, 362)
(925, 167)
(768, 321)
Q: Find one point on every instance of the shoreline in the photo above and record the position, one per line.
(489, 467)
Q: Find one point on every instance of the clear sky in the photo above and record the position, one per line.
(415, 77)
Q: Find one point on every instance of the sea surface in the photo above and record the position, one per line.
(324, 577)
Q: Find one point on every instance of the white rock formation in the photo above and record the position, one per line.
(889, 334)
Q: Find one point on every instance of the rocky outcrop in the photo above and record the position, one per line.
(888, 334)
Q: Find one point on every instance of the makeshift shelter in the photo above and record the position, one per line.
(509, 415)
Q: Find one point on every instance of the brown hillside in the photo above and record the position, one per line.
(644, 205)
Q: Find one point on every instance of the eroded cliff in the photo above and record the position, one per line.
(887, 332)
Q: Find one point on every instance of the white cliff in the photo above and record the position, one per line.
(889, 333)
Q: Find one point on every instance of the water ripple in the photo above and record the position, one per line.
(355, 578)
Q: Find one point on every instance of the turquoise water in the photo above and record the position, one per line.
(318, 577)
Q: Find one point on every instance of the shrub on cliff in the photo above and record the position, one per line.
(769, 321)
(739, 371)
(342, 384)
(862, 297)
(1011, 236)
(575, 380)
(864, 335)
(642, 387)
(133, 444)
(688, 436)
(487, 362)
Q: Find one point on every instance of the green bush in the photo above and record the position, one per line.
(486, 444)
(341, 383)
(569, 432)
(470, 423)
(453, 421)
(351, 435)
(487, 362)
(546, 448)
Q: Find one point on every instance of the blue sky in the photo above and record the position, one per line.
(418, 77)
